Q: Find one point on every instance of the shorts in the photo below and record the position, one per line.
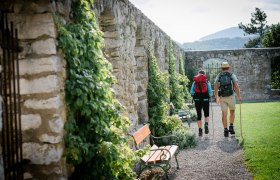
(228, 102)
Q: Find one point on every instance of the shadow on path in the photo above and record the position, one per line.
(215, 157)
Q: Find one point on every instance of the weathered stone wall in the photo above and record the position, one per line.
(127, 33)
(42, 76)
(252, 67)
(1, 125)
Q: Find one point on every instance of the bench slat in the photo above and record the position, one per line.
(141, 134)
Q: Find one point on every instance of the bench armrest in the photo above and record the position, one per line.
(164, 155)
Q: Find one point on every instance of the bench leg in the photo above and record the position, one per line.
(177, 161)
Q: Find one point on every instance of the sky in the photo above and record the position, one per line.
(190, 20)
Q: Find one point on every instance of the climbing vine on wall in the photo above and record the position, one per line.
(158, 91)
(183, 78)
(176, 90)
(96, 133)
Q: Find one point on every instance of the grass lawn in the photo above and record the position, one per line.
(261, 133)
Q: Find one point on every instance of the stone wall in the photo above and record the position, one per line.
(127, 33)
(1, 125)
(42, 76)
(252, 67)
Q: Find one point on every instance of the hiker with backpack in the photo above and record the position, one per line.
(226, 86)
(201, 91)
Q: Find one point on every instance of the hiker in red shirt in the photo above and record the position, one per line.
(201, 91)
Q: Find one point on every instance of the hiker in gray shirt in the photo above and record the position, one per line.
(226, 86)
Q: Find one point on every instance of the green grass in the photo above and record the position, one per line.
(261, 138)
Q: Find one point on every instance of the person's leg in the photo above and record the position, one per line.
(206, 115)
(198, 107)
(224, 108)
(232, 114)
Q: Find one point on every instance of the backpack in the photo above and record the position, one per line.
(200, 87)
(226, 87)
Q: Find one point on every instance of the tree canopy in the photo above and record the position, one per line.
(257, 26)
(271, 38)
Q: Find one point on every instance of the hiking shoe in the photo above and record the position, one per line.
(226, 132)
(231, 130)
(206, 128)
(199, 132)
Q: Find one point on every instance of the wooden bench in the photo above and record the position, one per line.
(159, 156)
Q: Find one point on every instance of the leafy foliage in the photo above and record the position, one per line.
(183, 79)
(257, 26)
(275, 73)
(271, 37)
(172, 125)
(176, 90)
(158, 92)
(96, 133)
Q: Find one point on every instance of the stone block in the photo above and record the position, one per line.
(56, 124)
(50, 139)
(42, 154)
(110, 34)
(41, 85)
(47, 46)
(139, 51)
(51, 103)
(112, 43)
(40, 65)
(33, 26)
(30, 121)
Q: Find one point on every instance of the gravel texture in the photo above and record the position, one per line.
(215, 156)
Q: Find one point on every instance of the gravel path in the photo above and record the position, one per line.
(217, 157)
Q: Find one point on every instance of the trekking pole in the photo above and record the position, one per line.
(212, 116)
(240, 120)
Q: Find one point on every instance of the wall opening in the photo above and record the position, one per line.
(11, 135)
(212, 68)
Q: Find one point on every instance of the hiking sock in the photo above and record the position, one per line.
(206, 128)
(231, 129)
(199, 132)
(226, 132)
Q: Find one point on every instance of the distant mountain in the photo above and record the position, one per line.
(230, 38)
(232, 32)
(221, 43)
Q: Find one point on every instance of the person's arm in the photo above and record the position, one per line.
(237, 90)
(216, 88)
(192, 89)
(236, 87)
(209, 89)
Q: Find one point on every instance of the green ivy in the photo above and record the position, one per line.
(183, 79)
(176, 90)
(96, 133)
(158, 92)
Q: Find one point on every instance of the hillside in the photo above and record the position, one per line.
(232, 32)
(230, 38)
(222, 43)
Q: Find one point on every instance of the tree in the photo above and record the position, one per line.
(183, 78)
(271, 37)
(158, 93)
(257, 26)
(176, 90)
